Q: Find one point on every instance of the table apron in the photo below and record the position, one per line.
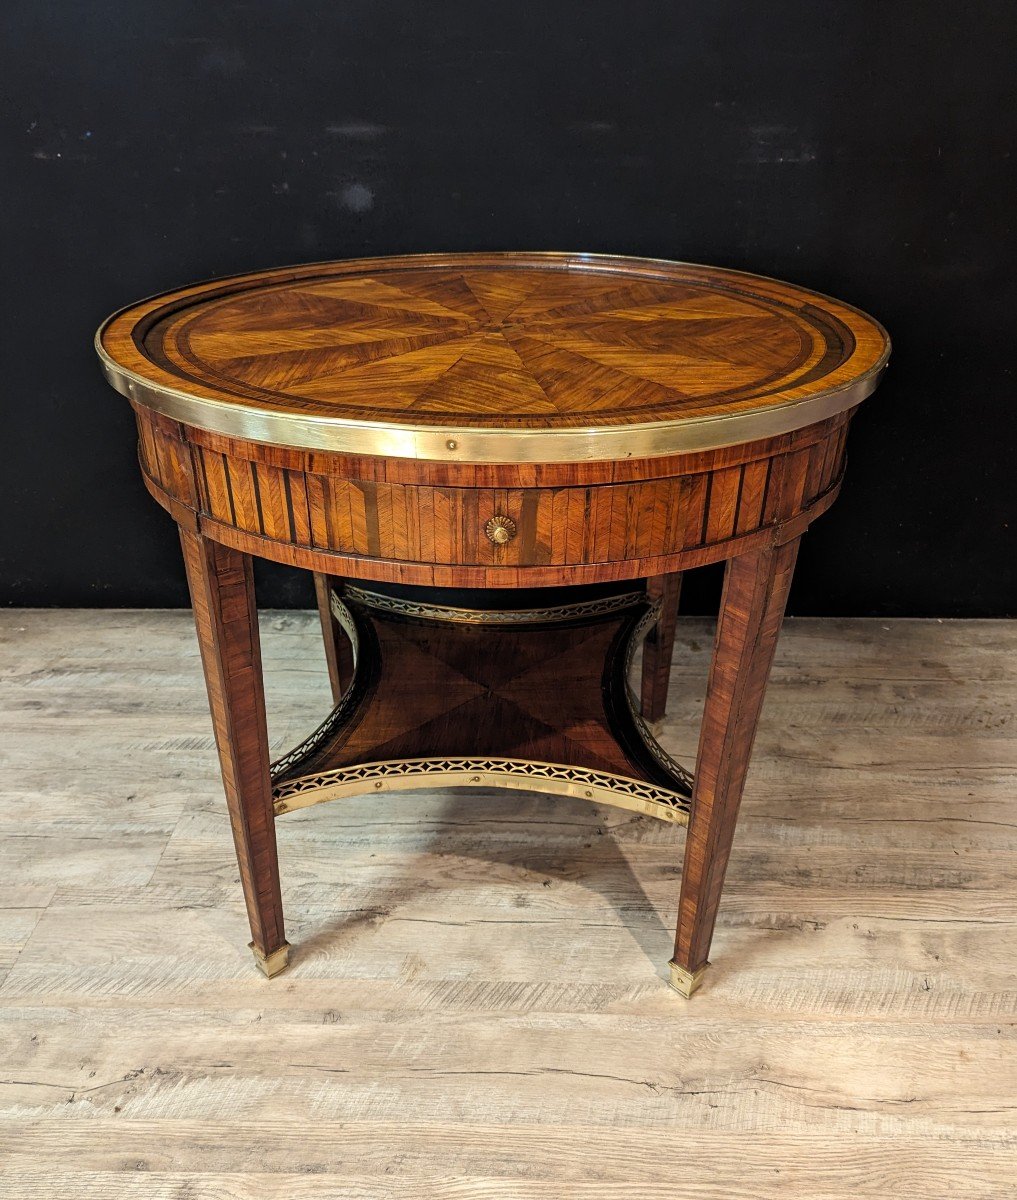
(432, 534)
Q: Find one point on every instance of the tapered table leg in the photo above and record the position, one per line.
(222, 595)
(338, 652)
(755, 593)
(658, 648)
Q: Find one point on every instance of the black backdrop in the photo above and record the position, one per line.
(862, 148)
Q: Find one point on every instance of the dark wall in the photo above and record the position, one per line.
(861, 148)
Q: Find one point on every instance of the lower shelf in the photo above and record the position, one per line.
(452, 696)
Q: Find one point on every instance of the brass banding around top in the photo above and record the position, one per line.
(495, 358)
(390, 440)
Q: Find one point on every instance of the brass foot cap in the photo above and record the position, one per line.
(684, 981)
(272, 963)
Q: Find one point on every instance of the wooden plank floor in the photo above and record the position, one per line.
(477, 1005)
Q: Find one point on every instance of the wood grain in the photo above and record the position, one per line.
(751, 609)
(477, 1008)
(337, 514)
(553, 691)
(497, 341)
(221, 583)
(659, 645)
(518, 351)
(338, 652)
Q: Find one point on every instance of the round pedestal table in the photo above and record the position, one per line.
(436, 436)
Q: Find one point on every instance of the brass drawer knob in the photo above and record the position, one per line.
(500, 530)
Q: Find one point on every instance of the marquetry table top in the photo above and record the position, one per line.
(495, 357)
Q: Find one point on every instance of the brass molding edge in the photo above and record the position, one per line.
(447, 443)
(345, 618)
(671, 765)
(274, 963)
(519, 774)
(685, 982)
(594, 443)
(479, 616)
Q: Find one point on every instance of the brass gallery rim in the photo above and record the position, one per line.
(495, 358)
(428, 611)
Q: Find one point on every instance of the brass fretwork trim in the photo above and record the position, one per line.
(345, 620)
(520, 774)
(479, 616)
(671, 765)
(338, 714)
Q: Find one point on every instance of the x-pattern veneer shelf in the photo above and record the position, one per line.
(493, 422)
(509, 698)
